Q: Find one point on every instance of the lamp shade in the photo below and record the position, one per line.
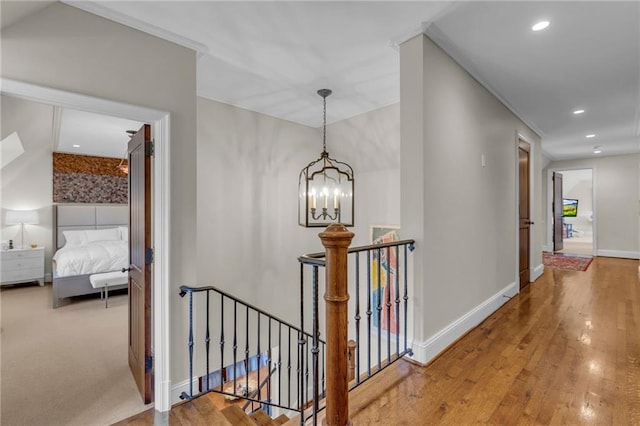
(21, 217)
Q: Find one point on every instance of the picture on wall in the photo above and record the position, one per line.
(384, 277)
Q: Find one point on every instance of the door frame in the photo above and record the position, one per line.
(549, 212)
(160, 122)
(534, 270)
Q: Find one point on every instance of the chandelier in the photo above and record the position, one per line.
(325, 186)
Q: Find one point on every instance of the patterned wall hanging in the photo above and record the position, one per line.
(88, 179)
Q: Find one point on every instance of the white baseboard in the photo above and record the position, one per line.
(424, 352)
(619, 253)
(183, 386)
(547, 248)
(47, 278)
(537, 272)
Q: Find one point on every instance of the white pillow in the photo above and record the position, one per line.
(75, 238)
(124, 233)
(103, 234)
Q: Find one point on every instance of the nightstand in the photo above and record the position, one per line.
(22, 266)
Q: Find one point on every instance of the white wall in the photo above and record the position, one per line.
(248, 167)
(68, 49)
(26, 183)
(616, 188)
(462, 214)
(371, 145)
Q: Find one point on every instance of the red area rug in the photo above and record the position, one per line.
(565, 261)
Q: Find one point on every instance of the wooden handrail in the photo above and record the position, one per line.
(319, 258)
(336, 240)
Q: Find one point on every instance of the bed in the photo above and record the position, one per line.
(96, 231)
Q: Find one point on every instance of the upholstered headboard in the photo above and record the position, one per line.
(81, 217)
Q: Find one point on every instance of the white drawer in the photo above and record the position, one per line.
(21, 263)
(21, 254)
(21, 275)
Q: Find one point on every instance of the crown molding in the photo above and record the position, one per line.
(121, 18)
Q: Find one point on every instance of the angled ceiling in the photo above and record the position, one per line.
(272, 56)
(81, 132)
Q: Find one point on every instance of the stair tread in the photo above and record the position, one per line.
(186, 414)
(210, 412)
(262, 419)
(281, 419)
(236, 416)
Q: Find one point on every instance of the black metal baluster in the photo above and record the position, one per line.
(235, 344)
(306, 372)
(357, 317)
(246, 353)
(405, 297)
(314, 349)
(388, 304)
(221, 337)
(397, 299)
(300, 368)
(289, 371)
(280, 363)
(269, 363)
(369, 312)
(190, 345)
(258, 356)
(379, 309)
(207, 340)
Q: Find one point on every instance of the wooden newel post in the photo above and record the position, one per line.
(336, 240)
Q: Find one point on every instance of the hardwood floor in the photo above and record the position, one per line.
(565, 351)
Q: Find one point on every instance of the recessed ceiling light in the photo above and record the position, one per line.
(540, 26)
(597, 150)
(578, 111)
(76, 146)
(590, 136)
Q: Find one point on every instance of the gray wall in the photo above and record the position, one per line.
(68, 49)
(616, 193)
(462, 214)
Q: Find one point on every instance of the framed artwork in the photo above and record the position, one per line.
(384, 270)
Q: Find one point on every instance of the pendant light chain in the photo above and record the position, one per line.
(324, 125)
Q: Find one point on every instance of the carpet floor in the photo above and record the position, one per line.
(564, 261)
(65, 366)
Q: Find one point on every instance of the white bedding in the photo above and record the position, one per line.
(91, 257)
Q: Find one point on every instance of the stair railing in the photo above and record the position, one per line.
(275, 348)
(379, 293)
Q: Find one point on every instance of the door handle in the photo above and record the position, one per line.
(529, 222)
(125, 270)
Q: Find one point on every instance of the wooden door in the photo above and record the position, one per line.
(524, 211)
(140, 258)
(557, 211)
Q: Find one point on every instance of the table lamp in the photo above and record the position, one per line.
(22, 218)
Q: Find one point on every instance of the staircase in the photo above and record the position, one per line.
(289, 367)
(202, 411)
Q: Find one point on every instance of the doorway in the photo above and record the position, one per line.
(524, 213)
(577, 218)
(160, 207)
